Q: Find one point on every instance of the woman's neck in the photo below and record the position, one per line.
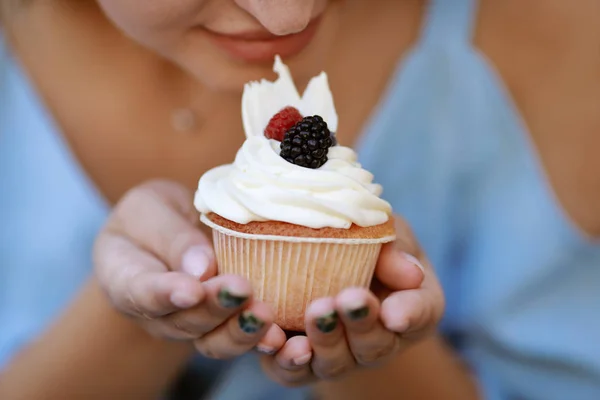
(74, 38)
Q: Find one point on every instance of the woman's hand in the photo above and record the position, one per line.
(359, 328)
(158, 268)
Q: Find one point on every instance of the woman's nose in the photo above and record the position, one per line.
(280, 17)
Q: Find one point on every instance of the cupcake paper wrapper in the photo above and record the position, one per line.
(289, 272)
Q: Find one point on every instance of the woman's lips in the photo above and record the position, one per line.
(262, 46)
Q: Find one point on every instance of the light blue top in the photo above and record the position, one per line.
(455, 158)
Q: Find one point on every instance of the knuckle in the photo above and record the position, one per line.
(121, 297)
(369, 358)
(292, 379)
(127, 299)
(160, 330)
(239, 340)
(160, 185)
(283, 379)
(139, 200)
(185, 333)
(286, 377)
(427, 320)
(133, 202)
(172, 192)
(243, 339)
(372, 358)
(186, 330)
(375, 355)
(209, 351)
(333, 372)
(126, 305)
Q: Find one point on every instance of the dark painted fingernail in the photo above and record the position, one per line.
(358, 313)
(249, 323)
(328, 322)
(229, 300)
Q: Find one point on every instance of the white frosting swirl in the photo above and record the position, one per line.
(262, 186)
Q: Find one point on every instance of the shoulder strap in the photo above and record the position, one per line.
(449, 21)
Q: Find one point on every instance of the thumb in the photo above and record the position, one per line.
(159, 217)
(199, 261)
(398, 267)
(397, 270)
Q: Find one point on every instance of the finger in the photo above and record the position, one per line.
(238, 335)
(160, 218)
(397, 270)
(156, 294)
(331, 354)
(369, 341)
(272, 342)
(225, 295)
(291, 365)
(142, 286)
(411, 313)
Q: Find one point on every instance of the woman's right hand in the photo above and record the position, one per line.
(158, 267)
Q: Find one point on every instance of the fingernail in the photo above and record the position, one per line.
(302, 360)
(265, 349)
(228, 300)
(413, 260)
(184, 300)
(399, 327)
(358, 313)
(327, 322)
(196, 260)
(249, 323)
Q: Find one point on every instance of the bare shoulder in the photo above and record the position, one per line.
(547, 53)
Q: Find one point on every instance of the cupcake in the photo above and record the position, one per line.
(295, 213)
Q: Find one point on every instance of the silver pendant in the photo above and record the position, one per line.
(183, 120)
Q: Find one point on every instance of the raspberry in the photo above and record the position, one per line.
(307, 143)
(281, 122)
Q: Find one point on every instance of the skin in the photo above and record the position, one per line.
(118, 127)
(172, 31)
(174, 293)
(93, 352)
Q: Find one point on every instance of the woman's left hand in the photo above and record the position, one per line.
(359, 328)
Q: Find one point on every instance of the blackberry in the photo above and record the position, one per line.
(307, 143)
